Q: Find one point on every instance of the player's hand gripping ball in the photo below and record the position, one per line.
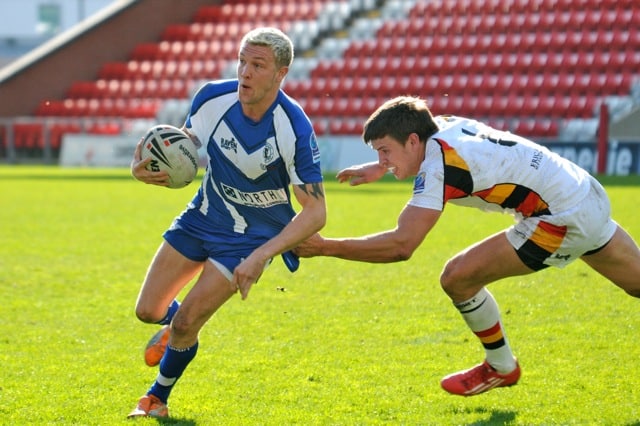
(173, 151)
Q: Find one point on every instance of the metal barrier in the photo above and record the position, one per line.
(38, 140)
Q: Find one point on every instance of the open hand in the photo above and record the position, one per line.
(363, 173)
(310, 247)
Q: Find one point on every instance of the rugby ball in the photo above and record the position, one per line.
(173, 151)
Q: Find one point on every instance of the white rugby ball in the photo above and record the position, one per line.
(171, 150)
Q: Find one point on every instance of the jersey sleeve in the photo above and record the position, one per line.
(428, 185)
(198, 124)
(306, 164)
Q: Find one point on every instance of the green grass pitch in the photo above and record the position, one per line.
(337, 343)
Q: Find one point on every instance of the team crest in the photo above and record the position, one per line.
(267, 153)
(419, 183)
(315, 150)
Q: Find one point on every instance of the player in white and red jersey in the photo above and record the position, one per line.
(259, 143)
(562, 214)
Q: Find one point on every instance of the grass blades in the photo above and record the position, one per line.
(337, 343)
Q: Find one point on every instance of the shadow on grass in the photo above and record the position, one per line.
(176, 421)
(497, 417)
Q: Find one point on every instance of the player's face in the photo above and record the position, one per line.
(259, 77)
(402, 161)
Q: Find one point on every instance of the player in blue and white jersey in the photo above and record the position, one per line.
(261, 150)
(562, 214)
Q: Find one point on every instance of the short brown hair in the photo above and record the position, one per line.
(398, 118)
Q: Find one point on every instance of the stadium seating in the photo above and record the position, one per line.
(525, 65)
(543, 60)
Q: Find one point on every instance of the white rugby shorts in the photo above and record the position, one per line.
(560, 238)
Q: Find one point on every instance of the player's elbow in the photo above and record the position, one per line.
(319, 219)
(403, 246)
(405, 255)
(403, 252)
(322, 220)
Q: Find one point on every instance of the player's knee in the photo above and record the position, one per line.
(148, 314)
(144, 315)
(182, 326)
(457, 281)
(448, 278)
(629, 283)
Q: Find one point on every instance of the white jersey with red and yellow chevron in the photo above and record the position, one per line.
(472, 164)
(562, 212)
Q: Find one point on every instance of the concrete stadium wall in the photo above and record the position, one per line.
(78, 54)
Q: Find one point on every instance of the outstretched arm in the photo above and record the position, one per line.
(309, 220)
(394, 245)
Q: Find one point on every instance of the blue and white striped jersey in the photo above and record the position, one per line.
(245, 189)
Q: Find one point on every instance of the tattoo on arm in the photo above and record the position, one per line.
(313, 189)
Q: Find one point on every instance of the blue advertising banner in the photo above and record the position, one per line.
(623, 158)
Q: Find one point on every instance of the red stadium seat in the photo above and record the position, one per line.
(82, 89)
(105, 128)
(320, 127)
(345, 126)
(28, 138)
(145, 52)
(208, 14)
(499, 59)
(113, 70)
(57, 132)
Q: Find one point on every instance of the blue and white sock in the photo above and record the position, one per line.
(171, 311)
(172, 365)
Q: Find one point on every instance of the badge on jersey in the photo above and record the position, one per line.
(419, 183)
(315, 150)
(268, 154)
